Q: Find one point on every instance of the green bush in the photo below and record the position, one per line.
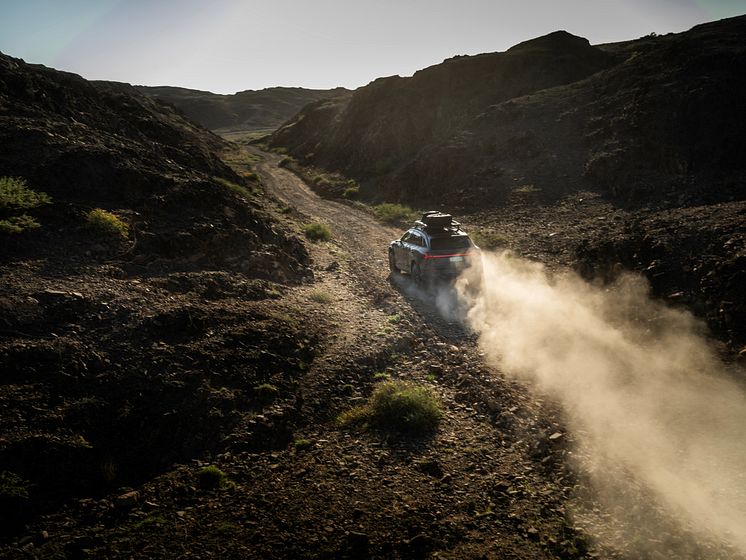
(287, 160)
(302, 444)
(266, 392)
(17, 224)
(212, 477)
(316, 231)
(15, 198)
(398, 406)
(320, 297)
(13, 486)
(351, 192)
(105, 223)
(394, 213)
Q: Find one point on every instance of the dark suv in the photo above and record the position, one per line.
(435, 248)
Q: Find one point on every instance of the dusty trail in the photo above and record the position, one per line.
(365, 240)
(510, 481)
(478, 458)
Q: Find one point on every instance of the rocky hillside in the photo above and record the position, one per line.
(654, 118)
(105, 145)
(653, 126)
(249, 110)
(147, 243)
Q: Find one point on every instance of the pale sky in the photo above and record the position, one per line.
(226, 46)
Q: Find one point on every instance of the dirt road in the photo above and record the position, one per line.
(363, 242)
(442, 493)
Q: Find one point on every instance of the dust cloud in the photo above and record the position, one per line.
(644, 393)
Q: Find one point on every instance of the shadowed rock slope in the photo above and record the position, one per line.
(106, 145)
(105, 339)
(249, 110)
(654, 118)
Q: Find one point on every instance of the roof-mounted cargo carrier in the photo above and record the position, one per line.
(434, 221)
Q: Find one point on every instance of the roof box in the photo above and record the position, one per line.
(436, 220)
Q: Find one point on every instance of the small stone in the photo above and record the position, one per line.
(128, 500)
(555, 435)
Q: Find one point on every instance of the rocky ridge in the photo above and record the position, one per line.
(262, 110)
(652, 126)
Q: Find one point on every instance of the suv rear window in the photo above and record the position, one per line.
(456, 242)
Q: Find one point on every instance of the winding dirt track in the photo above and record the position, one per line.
(366, 241)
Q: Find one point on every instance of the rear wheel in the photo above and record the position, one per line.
(416, 274)
(392, 263)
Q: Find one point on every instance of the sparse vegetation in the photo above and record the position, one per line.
(320, 297)
(13, 486)
(381, 376)
(393, 319)
(228, 529)
(104, 223)
(266, 392)
(302, 444)
(394, 213)
(287, 160)
(235, 187)
(527, 189)
(398, 406)
(286, 209)
(489, 240)
(15, 198)
(316, 231)
(18, 224)
(211, 477)
(149, 521)
(352, 190)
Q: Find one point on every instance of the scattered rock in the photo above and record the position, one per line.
(128, 500)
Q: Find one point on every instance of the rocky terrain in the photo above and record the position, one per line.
(652, 125)
(93, 392)
(176, 389)
(642, 120)
(245, 111)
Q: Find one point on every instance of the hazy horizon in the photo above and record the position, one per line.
(226, 46)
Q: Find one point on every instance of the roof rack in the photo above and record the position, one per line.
(434, 222)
